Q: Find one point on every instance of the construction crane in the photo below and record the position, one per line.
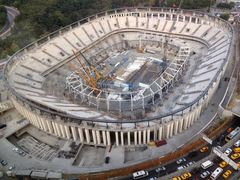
(97, 75)
(111, 78)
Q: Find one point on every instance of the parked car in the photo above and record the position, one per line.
(22, 153)
(223, 164)
(12, 167)
(227, 152)
(227, 174)
(180, 161)
(190, 163)
(181, 167)
(160, 169)
(192, 154)
(196, 170)
(235, 156)
(220, 138)
(204, 149)
(217, 160)
(15, 149)
(205, 174)
(107, 159)
(237, 144)
(186, 176)
(229, 129)
(4, 163)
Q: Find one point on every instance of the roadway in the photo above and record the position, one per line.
(172, 167)
(11, 15)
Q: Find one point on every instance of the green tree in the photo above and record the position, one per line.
(16, 4)
(14, 48)
(225, 16)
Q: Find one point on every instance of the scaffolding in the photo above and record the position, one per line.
(37, 149)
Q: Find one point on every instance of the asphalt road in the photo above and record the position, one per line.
(170, 168)
(11, 15)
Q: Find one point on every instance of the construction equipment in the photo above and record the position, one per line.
(110, 77)
(97, 75)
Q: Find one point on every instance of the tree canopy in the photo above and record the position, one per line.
(40, 17)
(225, 16)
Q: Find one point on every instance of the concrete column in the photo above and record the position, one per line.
(87, 135)
(104, 137)
(116, 137)
(129, 142)
(160, 133)
(180, 126)
(148, 136)
(171, 130)
(139, 137)
(108, 138)
(74, 133)
(67, 132)
(171, 16)
(80, 132)
(44, 124)
(98, 137)
(144, 136)
(196, 20)
(54, 128)
(38, 121)
(94, 137)
(122, 139)
(168, 130)
(177, 18)
(62, 130)
(49, 124)
(135, 138)
(184, 19)
(58, 129)
(185, 123)
(176, 127)
(190, 19)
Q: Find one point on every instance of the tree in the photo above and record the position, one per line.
(225, 16)
(14, 48)
(16, 4)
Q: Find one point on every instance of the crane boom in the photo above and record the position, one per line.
(85, 70)
(82, 75)
(98, 76)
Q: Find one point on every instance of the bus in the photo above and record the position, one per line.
(216, 173)
(232, 134)
(140, 174)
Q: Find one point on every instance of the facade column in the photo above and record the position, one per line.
(160, 133)
(144, 136)
(175, 127)
(104, 138)
(171, 130)
(180, 127)
(168, 130)
(80, 132)
(129, 142)
(122, 140)
(185, 122)
(98, 137)
(135, 138)
(139, 137)
(183, 18)
(116, 137)
(50, 128)
(44, 124)
(55, 129)
(67, 132)
(74, 133)
(94, 136)
(62, 130)
(58, 129)
(108, 138)
(87, 135)
(148, 136)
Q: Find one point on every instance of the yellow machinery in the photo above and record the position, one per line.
(97, 75)
(110, 78)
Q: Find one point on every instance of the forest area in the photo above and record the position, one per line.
(40, 17)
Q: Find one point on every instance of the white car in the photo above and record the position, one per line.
(205, 174)
(190, 163)
(160, 169)
(180, 161)
(15, 149)
(237, 144)
(228, 151)
(181, 167)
